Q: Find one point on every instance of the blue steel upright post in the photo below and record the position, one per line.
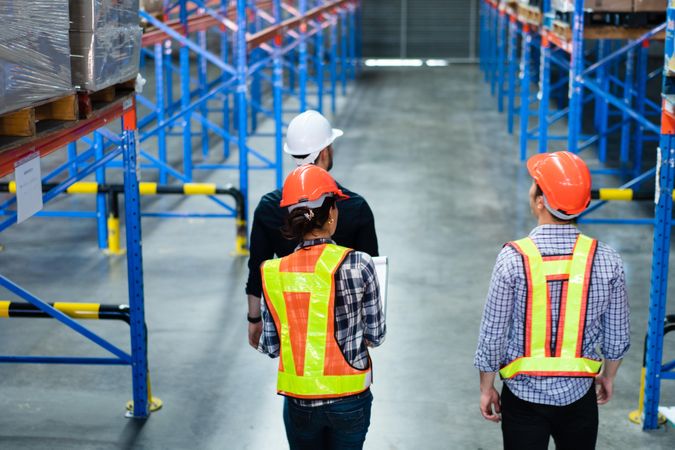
(351, 8)
(185, 95)
(202, 73)
(343, 50)
(302, 57)
(501, 57)
(333, 63)
(602, 105)
(224, 56)
(575, 86)
(525, 81)
(626, 129)
(319, 67)
(544, 93)
(662, 230)
(101, 208)
(513, 68)
(641, 93)
(132, 209)
(160, 109)
(242, 74)
(278, 90)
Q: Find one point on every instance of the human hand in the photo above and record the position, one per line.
(254, 332)
(490, 404)
(604, 388)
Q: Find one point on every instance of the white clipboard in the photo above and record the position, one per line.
(382, 270)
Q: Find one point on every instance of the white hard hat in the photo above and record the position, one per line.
(308, 134)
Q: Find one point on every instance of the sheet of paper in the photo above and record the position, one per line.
(28, 177)
(382, 270)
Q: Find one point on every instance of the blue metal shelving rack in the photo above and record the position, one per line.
(266, 47)
(656, 369)
(592, 74)
(48, 142)
(263, 44)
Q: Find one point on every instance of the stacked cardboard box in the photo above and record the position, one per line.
(105, 39)
(34, 52)
(650, 5)
(595, 5)
(619, 6)
(152, 6)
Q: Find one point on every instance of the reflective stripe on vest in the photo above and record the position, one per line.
(300, 294)
(575, 272)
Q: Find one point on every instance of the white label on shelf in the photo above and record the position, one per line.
(128, 103)
(28, 177)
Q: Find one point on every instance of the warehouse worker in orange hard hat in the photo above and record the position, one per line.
(555, 297)
(321, 312)
(309, 140)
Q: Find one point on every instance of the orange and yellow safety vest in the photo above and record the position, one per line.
(566, 360)
(299, 292)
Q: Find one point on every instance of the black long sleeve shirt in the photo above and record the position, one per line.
(355, 229)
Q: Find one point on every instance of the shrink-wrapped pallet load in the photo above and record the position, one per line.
(105, 38)
(34, 52)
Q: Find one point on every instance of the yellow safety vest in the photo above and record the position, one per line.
(566, 359)
(299, 292)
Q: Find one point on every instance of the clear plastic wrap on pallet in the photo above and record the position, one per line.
(34, 52)
(105, 57)
(105, 39)
(93, 15)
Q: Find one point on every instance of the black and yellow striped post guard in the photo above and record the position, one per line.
(94, 311)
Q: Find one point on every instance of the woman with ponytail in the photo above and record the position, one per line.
(321, 312)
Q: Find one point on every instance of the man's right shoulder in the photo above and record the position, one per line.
(268, 212)
(269, 202)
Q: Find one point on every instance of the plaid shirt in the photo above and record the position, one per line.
(501, 337)
(358, 313)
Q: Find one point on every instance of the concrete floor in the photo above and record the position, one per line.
(430, 153)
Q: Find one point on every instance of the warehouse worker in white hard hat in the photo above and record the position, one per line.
(309, 140)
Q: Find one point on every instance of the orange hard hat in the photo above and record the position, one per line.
(565, 180)
(308, 185)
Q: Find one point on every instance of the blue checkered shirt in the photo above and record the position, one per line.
(501, 337)
(358, 313)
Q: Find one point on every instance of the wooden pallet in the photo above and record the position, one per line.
(529, 14)
(24, 121)
(564, 31)
(88, 100)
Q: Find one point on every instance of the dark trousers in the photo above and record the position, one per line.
(338, 426)
(529, 426)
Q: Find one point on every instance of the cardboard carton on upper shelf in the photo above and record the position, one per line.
(152, 6)
(595, 5)
(650, 5)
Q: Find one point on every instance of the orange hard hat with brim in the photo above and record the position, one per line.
(308, 186)
(564, 179)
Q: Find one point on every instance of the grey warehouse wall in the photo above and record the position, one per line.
(420, 28)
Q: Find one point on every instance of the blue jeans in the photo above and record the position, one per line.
(338, 426)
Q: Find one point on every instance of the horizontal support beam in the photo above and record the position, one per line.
(145, 188)
(257, 39)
